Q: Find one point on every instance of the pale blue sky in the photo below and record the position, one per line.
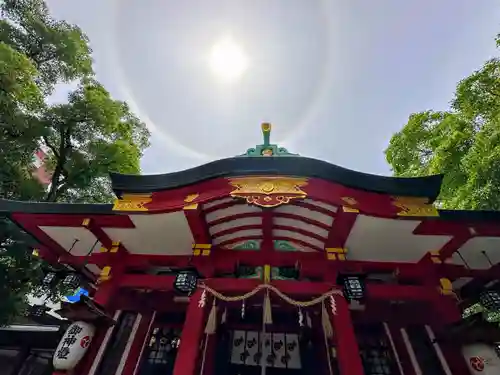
(335, 77)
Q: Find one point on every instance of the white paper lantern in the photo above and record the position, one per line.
(481, 359)
(73, 345)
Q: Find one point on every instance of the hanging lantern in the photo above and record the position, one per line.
(490, 300)
(72, 281)
(186, 282)
(49, 279)
(37, 311)
(353, 287)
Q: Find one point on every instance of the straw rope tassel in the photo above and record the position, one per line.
(212, 320)
(268, 317)
(325, 321)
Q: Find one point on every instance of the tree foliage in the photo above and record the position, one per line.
(86, 137)
(462, 142)
(59, 51)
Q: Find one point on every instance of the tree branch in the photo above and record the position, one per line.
(64, 147)
(52, 148)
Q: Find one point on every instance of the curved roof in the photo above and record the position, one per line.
(428, 187)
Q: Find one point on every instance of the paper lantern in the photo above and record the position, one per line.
(73, 345)
(490, 300)
(72, 281)
(49, 279)
(38, 311)
(186, 282)
(353, 287)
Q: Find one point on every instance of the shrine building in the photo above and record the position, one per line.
(271, 263)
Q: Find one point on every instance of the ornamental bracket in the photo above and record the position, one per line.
(268, 191)
(414, 206)
(132, 202)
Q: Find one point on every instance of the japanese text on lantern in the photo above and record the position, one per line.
(69, 341)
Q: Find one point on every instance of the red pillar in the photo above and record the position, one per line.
(86, 363)
(188, 355)
(348, 356)
(136, 350)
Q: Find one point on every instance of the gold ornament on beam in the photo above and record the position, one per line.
(268, 191)
(414, 206)
(350, 203)
(132, 202)
(189, 200)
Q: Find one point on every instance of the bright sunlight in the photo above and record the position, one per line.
(228, 60)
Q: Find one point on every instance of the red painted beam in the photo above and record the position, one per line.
(240, 286)
(282, 238)
(224, 285)
(341, 228)
(313, 263)
(198, 225)
(285, 215)
(313, 207)
(225, 219)
(153, 282)
(300, 231)
(267, 245)
(224, 205)
(74, 220)
(296, 288)
(98, 232)
(303, 219)
(400, 292)
(453, 245)
(232, 230)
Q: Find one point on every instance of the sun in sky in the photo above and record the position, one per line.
(228, 60)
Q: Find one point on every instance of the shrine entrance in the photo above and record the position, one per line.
(288, 346)
(162, 344)
(251, 350)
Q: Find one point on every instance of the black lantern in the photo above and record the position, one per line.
(49, 279)
(353, 286)
(186, 281)
(37, 311)
(72, 281)
(490, 300)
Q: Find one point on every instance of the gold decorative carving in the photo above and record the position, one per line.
(336, 253)
(132, 202)
(105, 274)
(349, 209)
(191, 197)
(350, 201)
(435, 257)
(202, 249)
(414, 206)
(268, 191)
(446, 287)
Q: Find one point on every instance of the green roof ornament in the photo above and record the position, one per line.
(266, 148)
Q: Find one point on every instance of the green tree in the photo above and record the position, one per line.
(86, 137)
(59, 51)
(463, 143)
(89, 136)
(20, 100)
